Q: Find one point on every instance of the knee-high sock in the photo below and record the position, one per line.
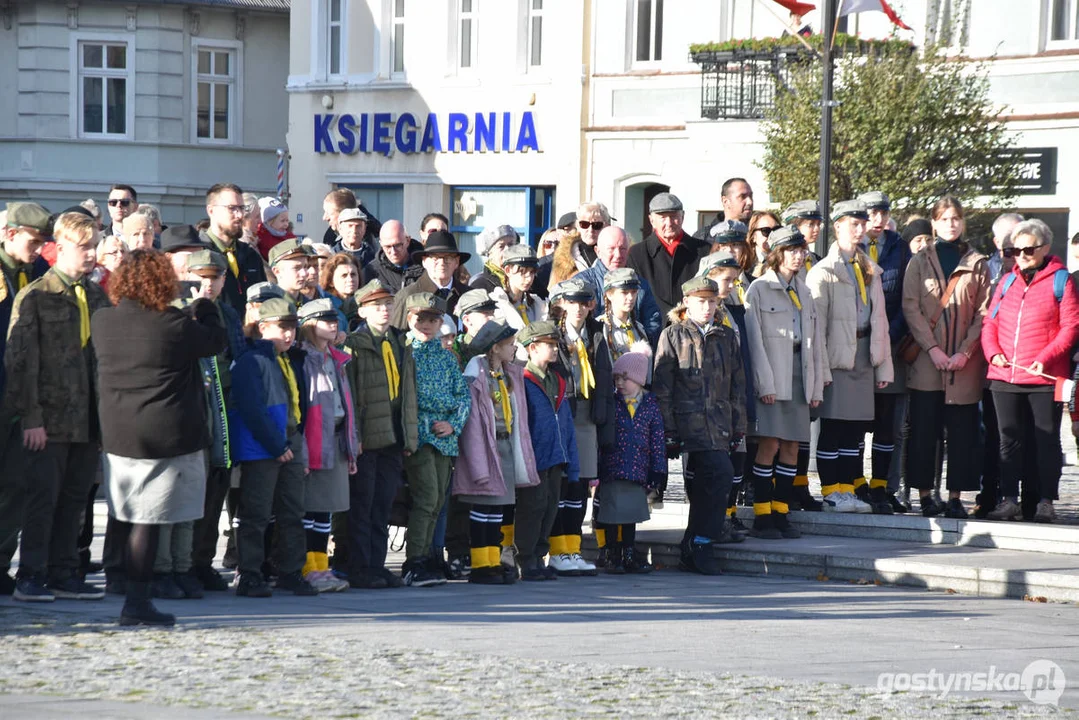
(485, 534)
(628, 534)
(508, 514)
(738, 461)
(598, 528)
(762, 489)
(828, 456)
(882, 462)
(784, 486)
(801, 475)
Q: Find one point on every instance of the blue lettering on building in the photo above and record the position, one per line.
(386, 133)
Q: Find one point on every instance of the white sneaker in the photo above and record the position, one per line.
(583, 566)
(563, 565)
(320, 581)
(860, 506)
(339, 584)
(508, 558)
(837, 502)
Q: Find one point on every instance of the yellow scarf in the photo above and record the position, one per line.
(726, 319)
(873, 250)
(794, 297)
(293, 389)
(84, 314)
(808, 263)
(628, 328)
(588, 378)
(233, 265)
(393, 376)
(522, 309)
(23, 280)
(503, 396)
(740, 289)
(631, 405)
(861, 280)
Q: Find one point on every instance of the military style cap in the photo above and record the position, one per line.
(492, 333)
(567, 221)
(263, 291)
(206, 260)
(699, 286)
(519, 255)
(351, 215)
(876, 200)
(287, 249)
(29, 215)
(181, 237)
(574, 290)
(317, 309)
(542, 330)
(625, 278)
(786, 236)
(718, 259)
(491, 235)
(372, 291)
(801, 210)
(728, 231)
(277, 309)
(475, 301)
(425, 303)
(665, 203)
(850, 208)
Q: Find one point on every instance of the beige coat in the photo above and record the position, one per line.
(834, 292)
(770, 316)
(959, 329)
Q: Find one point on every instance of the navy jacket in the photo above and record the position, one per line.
(893, 257)
(639, 454)
(647, 309)
(258, 407)
(738, 314)
(554, 440)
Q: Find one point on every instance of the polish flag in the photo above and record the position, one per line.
(849, 7)
(799, 8)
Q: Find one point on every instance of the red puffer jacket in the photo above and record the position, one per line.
(1031, 326)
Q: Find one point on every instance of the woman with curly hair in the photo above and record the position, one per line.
(153, 413)
(340, 278)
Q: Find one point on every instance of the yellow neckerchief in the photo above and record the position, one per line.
(498, 272)
(522, 310)
(631, 405)
(874, 249)
(84, 313)
(588, 378)
(794, 297)
(860, 277)
(503, 396)
(23, 279)
(230, 253)
(293, 389)
(627, 326)
(809, 263)
(726, 317)
(739, 287)
(393, 377)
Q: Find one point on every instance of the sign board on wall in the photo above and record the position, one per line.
(386, 133)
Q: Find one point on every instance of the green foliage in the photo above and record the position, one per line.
(843, 43)
(917, 126)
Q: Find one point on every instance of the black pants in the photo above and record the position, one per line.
(371, 493)
(713, 476)
(929, 414)
(535, 514)
(58, 480)
(457, 527)
(207, 528)
(12, 489)
(1043, 416)
(268, 489)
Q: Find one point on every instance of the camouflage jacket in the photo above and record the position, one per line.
(51, 377)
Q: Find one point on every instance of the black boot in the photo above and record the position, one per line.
(783, 525)
(635, 563)
(602, 557)
(878, 498)
(140, 610)
(805, 499)
(764, 528)
(615, 562)
(704, 560)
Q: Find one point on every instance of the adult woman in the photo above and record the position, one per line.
(847, 290)
(1029, 337)
(761, 224)
(945, 292)
(153, 413)
(787, 346)
(492, 243)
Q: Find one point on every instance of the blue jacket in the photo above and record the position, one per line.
(258, 407)
(639, 454)
(893, 258)
(647, 309)
(738, 315)
(554, 440)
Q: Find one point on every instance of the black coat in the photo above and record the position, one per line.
(252, 271)
(424, 284)
(392, 276)
(152, 400)
(665, 273)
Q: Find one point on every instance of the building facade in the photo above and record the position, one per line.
(167, 97)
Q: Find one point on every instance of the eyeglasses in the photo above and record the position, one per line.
(121, 202)
(765, 231)
(798, 251)
(1015, 251)
(598, 225)
(234, 209)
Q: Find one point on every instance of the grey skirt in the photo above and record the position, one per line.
(156, 492)
(509, 474)
(850, 396)
(786, 419)
(587, 439)
(621, 502)
(327, 490)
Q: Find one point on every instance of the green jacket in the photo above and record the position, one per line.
(382, 424)
(50, 376)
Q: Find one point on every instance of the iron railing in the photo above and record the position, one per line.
(742, 84)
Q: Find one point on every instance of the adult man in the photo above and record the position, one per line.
(225, 206)
(1002, 229)
(352, 225)
(612, 251)
(393, 264)
(24, 231)
(492, 242)
(154, 214)
(440, 259)
(138, 232)
(123, 201)
(737, 198)
(668, 257)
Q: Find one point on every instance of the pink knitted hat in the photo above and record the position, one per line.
(633, 365)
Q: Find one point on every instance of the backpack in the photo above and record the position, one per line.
(1060, 283)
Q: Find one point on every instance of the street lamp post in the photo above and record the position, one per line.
(828, 63)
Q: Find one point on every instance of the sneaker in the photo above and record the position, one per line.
(737, 525)
(459, 568)
(564, 565)
(729, 536)
(508, 557)
(32, 589)
(393, 580)
(75, 589)
(532, 574)
(1046, 513)
(931, 507)
(1006, 510)
(584, 567)
(764, 529)
(704, 560)
(486, 576)
(143, 612)
(189, 585)
(416, 574)
(860, 506)
(165, 588)
(294, 583)
(955, 509)
(837, 503)
(510, 575)
(320, 581)
(253, 585)
(7, 584)
(369, 580)
(211, 579)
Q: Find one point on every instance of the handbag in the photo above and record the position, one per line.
(909, 348)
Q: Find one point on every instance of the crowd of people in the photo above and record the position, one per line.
(328, 391)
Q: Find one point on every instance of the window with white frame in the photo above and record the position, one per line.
(398, 64)
(215, 93)
(104, 86)
(1063, 25)
(535, 32)
(335, 36)
(648, 31)
(467, 18)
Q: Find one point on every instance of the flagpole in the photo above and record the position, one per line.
(828, 63)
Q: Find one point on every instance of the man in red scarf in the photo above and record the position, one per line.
(668, 257)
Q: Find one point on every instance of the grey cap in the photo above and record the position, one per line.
(425, 302)
(475, 301)
(492, 333)
(491, 235)
(277, 309)
(541, 330)
(30, 215)
(786, 236)
(728, 231)
(876, 200)
(802, 210)
(851, 208)
(288, 249)
(621, 278)
(718, 259)
(519, 255)
(316, 309)
(205, 259)
(352, 215)
(665, 203)
(575, 290)
(699, 286)
(263, 291)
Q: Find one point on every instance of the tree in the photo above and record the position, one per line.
(917, 126)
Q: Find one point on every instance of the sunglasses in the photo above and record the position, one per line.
(584, 224)
(114, 202)
(1015, 252)
(765, 231)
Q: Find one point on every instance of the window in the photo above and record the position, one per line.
(398, 36)
(103, 86)
(535, 33)
(466, 39)
(215, 93)
(335, 37)
(528, 209)
(1064, 21)
(649, 31)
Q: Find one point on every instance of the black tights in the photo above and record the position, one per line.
(141, 551)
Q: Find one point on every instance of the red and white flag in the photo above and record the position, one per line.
(799, 8)
(849, 7)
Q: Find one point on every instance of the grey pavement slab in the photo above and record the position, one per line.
(43, 707)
